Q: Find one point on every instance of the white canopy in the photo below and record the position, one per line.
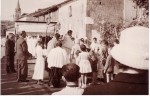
(34, 26)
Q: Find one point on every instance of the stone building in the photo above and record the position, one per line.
(85, 17)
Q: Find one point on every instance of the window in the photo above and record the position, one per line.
(100, 3)
(70, 11)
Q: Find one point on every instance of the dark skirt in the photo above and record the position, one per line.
(94, 65)
(55, 76)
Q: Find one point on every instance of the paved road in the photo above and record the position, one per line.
(9, 86)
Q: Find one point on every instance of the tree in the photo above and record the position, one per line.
(142, 3)
(111, 32)
(142, 7)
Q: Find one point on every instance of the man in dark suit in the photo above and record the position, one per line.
(10, 53)
(22, 55)
(132, 54)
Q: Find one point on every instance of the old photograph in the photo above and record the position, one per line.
(74, 47)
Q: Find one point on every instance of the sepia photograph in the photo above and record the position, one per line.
(74, 47)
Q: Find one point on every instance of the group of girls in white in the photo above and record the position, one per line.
(81, 54)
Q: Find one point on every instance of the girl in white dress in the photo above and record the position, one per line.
(40, 63)
(75, 51)
(84, 64)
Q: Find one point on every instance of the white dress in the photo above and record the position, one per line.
(67, 44)
(74, 50)
(3, 41)
(57, 57)
(83, 62)
(39, 65)
(51, 44)
(33, 46)
(29, 43)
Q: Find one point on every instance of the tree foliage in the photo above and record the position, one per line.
(142, 3)
(111, 32)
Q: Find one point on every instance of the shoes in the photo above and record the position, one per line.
(8, 72)
(18, 81)
(80, 85)
(49, 83)
(92, 83)
(39, 82)
(22, 80)
(14, 71)
(83, 86)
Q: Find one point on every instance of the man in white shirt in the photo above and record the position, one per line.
(94, 46)
(52, 43)
(68, 42)
(57, 57)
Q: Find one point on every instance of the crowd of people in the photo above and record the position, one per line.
(123, 64)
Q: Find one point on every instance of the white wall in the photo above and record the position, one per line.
(23, 19)
(76, 22)
(33, 27)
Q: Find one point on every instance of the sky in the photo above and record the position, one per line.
(27, 6)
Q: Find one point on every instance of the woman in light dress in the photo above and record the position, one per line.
(84, 64)
(40, 64)
(75, 51)
(68, 42)
(3, 40)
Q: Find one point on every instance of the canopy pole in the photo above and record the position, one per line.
(46, 37)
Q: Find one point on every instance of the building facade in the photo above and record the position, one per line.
(72, 17)
(85, 17)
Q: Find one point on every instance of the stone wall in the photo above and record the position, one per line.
(130, 11)
(102, 11)
(71, 16)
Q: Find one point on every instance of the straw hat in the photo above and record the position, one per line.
(133, 49)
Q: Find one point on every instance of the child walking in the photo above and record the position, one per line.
(40, 64)
(93, 61)
(84, 64)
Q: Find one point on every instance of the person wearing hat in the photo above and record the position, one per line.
(22, 54)
(10, 53)
(132, 54)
